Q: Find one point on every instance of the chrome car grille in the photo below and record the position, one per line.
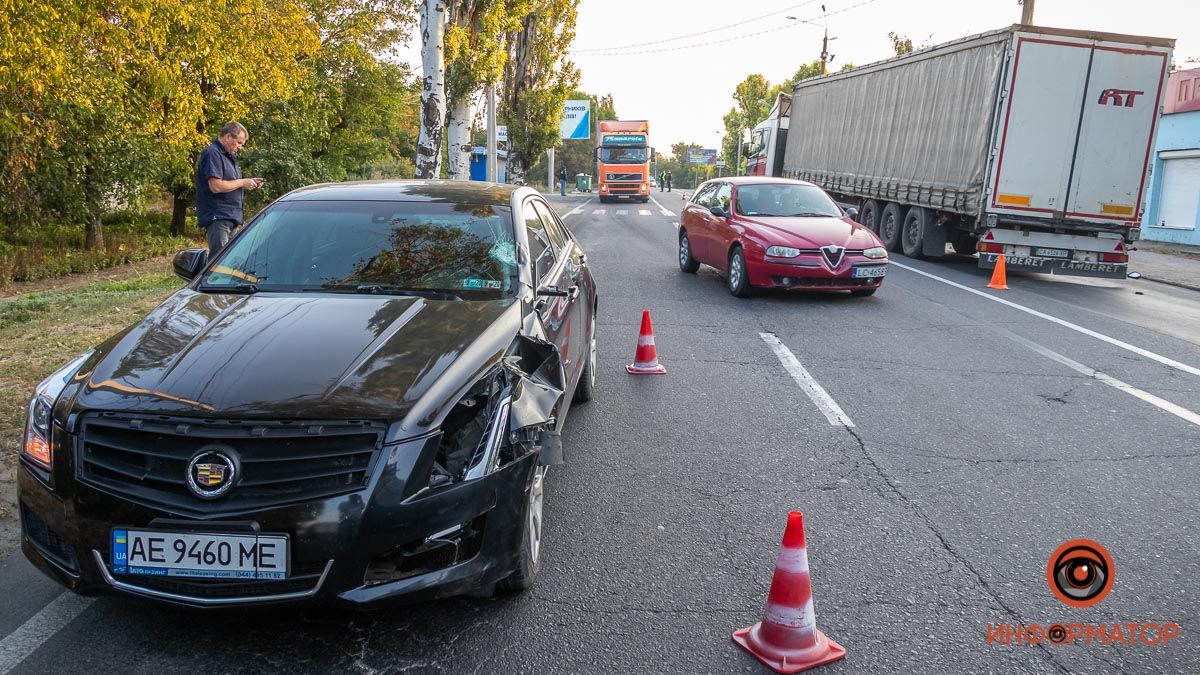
(144, 458)
(636, 177)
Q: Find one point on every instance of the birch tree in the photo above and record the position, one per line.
(433, 88)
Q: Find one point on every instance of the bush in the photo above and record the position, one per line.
(50, 250)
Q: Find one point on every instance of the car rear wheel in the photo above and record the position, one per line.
(739, 280)
(868, 215)
(912, 238)
(687, 263)
(587, 379)
(891, 219)
(531, 539)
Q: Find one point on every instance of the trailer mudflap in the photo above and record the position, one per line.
(1076, 268)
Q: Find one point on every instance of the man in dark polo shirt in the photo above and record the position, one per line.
(219, 186)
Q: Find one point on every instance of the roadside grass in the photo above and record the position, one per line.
(41, 331)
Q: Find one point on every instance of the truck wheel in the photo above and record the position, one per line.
(912, 235)
(963, 243)
(868, 215)
(891, 220)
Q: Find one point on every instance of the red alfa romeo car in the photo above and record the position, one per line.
(778, 233)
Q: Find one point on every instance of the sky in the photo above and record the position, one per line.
(684, 85)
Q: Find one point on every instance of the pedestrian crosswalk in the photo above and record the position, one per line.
(625, 212)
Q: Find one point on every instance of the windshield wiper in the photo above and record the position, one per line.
(243, 288)
(810, 214)
(384, 289)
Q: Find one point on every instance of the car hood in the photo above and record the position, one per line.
(813, 232)
(293, 356)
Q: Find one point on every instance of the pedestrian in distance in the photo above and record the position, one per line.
(562, 181)
(662, 181)
(668, 180)
(220, 186)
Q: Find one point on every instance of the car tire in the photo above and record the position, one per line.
(912, 235)
(530, 555)
(737, 278)
(964, 243)
(586, 387)
(868, 215)
(687, 263)
(891, 221)
(863, 292)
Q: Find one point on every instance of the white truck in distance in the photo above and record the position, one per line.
(1029, 142)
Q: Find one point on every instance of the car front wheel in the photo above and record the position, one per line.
(687, 263)
(531, 540)
(739, 280)
(587, 379)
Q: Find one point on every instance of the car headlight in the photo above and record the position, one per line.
(37, 447)
(783, 252)
(875, 252)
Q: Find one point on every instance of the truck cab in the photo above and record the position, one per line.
(623, 157)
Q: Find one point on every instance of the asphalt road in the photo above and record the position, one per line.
(975, 438)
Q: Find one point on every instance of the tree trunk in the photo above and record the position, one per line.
(94, 239)
(458, 140)
(179, 206)
(515, 168)
(433, 91)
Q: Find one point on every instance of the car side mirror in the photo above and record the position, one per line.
(852, 213)
(718, 212)
(745, 149)
(189, 262)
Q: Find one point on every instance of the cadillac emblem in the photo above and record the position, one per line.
(212, 471)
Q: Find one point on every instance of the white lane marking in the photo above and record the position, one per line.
(832, 411)
(598, 212)
(23, 641)
(662, 209)
(1066, 324)
(643, 212)
(622, 212)
(1146, 396)
(578, 209)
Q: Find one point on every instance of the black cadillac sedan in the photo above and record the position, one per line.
(357, 400)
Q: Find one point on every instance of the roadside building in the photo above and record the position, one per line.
(1173, 206)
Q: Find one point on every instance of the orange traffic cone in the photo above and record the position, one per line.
(645, 361)
(999, 276)
(787, 639)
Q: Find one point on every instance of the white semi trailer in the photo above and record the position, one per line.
(1027, 141)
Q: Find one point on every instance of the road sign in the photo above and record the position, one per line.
(705, 156)
(501, 133)
(720, 164)
(576, 123)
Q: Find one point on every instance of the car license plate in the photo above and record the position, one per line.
(198, 554)
(1052, 252)
(860, 272)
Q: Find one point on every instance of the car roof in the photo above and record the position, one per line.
(759, 180)
(447, 191)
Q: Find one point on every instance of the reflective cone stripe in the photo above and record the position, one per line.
(645, 360)
(999, 276)
(787, 639)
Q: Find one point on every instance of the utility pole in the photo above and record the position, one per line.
(550, 169)
(493, 170)
(1026, 12)
(825, 44)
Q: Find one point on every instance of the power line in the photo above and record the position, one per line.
(732, 39)
(682, 37)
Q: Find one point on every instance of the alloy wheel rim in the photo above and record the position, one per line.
(535, 514)
(593, 354)
(684, 252)
(735, 271)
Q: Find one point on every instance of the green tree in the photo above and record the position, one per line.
(753, 97)
(537, 80)
(578, 156)
(901, 44)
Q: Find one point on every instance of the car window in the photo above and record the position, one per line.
(465, 250)
(557, 235)
(785, 200)
(721, 199)
(702, 196)
(541, 251)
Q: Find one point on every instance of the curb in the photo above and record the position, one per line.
(1176, 284)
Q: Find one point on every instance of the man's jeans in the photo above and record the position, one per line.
(562, 187)
(219, 232)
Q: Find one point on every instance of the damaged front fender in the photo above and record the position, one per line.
(537, 393)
